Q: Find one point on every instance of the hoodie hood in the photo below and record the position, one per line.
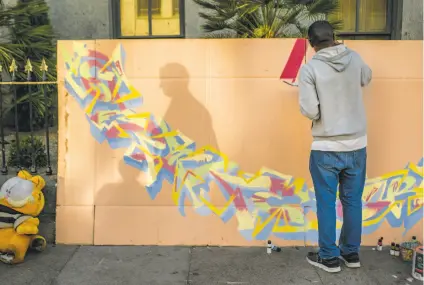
(338, 57)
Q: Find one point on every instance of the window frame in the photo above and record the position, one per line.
(392, 28)
(115, 14)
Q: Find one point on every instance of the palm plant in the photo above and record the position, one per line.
(8, 50)
(32, 37)
(263, 18)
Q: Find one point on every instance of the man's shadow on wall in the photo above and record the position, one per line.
(185, 113)
(123, 191)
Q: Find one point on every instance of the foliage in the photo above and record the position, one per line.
(26, 151)
(263, 18)
(30, 37)
(8, 50)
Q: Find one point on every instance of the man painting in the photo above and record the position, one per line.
(330, 87)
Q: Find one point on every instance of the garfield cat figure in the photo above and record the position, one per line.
(21, 201)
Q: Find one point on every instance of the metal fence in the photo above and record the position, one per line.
(12, 148)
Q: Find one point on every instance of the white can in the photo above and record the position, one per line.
(269, 247)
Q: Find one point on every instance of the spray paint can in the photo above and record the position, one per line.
(392, 248)
(269, 247)
(397, 249)
(380, 244)
(417, 264)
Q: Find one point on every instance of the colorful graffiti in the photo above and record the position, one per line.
(265, 203)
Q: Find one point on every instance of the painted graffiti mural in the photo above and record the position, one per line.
(265, 204)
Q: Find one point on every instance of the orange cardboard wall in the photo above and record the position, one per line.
(195, 142)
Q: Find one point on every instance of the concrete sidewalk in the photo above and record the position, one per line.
(152, 265)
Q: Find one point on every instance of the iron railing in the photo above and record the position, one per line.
(33, 85)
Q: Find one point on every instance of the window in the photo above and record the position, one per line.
(149, 18)
(156, 4)
(143, 7)
(365, 19)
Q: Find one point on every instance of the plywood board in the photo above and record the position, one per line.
(183, 142)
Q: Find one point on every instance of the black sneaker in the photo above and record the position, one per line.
(331, 265)
(351, 260)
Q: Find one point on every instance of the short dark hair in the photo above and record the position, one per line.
(321, 34)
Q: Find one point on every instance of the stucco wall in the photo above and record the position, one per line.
(80, 19)
(412, 20)
(193, 21)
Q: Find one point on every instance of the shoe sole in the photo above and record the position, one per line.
(350, 264)
(323, 267)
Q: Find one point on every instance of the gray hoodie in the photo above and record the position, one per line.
(330, 87)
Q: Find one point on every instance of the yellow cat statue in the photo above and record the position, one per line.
(21, 201)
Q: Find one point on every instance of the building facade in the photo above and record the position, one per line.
(98, 19)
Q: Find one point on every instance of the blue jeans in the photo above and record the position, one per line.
(348, 170)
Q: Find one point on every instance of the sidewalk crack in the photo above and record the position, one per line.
(54, 280)
(190, 253)
(319, 276)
